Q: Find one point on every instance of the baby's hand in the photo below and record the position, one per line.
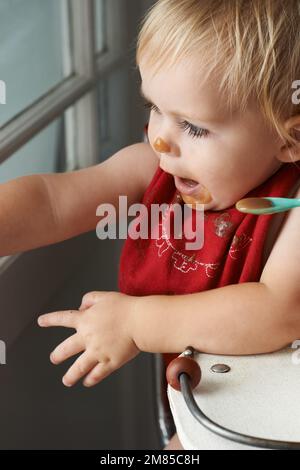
(103, 331)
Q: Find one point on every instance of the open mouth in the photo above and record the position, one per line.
(189, 183)
(191, 191)
(187, 186)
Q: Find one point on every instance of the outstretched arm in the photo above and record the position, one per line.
(42, 209)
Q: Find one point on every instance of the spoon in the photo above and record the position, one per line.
(266, 205)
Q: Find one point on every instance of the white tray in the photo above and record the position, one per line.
(259, 396)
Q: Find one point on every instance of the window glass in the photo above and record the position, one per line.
(31, 54)
(45, 153)
(100, 18)
(113, 105)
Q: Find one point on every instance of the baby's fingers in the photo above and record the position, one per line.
(98, 373)
(67, 319)
(68, 348)
(90, 299)
(81, 367)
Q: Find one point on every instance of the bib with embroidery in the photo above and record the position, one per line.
(232, 251)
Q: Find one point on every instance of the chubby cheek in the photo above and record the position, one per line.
(223, 174)
(230, 183)
(222, 178)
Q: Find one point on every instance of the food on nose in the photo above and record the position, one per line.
(161, 146)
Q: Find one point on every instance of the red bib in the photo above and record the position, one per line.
(232, 252)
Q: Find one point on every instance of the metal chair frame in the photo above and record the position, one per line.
(163, 414)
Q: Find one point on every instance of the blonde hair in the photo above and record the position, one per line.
(253, 44)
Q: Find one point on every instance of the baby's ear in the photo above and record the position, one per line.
(288, 152)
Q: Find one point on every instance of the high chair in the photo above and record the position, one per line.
(237, 402)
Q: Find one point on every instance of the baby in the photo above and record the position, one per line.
(218, 77)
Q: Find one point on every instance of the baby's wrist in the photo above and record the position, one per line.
(134, 313)
(147, 323)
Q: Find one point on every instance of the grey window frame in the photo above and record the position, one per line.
(78, 90)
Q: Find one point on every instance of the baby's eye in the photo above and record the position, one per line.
(194, 131)
(151, 106)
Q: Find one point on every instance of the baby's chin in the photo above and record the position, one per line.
(217, 206)
(211, 205)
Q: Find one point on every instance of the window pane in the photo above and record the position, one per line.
(100, 17)
(31, 56)
(113, 106)
(45, 153)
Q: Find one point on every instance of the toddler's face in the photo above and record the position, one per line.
(229, 154)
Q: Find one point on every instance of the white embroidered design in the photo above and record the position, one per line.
(223, 225)
(181, 261)
(239, 242)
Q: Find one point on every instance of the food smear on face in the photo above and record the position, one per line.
(191, 191)
(204, 197)
(161, 146)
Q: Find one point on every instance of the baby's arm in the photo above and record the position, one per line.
(112, 328)
(42, 209)
(246, 318)
(237, 319)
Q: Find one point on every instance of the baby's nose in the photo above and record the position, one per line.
(161, 146)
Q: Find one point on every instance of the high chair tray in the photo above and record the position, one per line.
(259, 396)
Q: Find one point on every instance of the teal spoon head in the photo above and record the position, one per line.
(266, 205)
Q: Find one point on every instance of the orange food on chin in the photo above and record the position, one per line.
(203, 198)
